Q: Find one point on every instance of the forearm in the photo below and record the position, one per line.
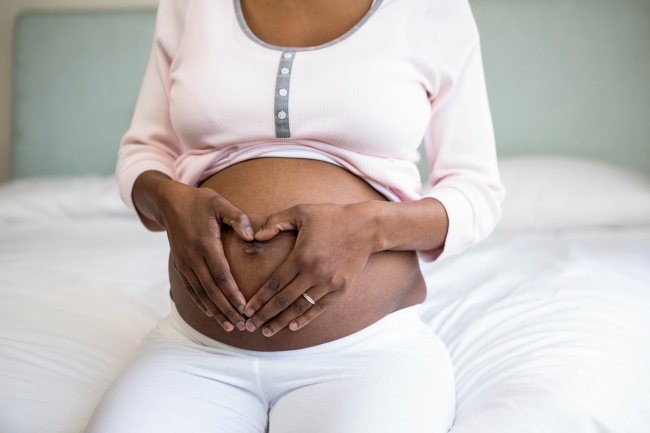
(146, 196)
(419, 225)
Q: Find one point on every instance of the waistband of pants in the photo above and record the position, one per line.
(395, 327)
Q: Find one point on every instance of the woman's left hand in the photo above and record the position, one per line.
(333, 245)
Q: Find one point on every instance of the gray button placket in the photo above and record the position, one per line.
(282, 83)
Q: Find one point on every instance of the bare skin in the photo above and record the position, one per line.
(227, 276)
(297, 23)
(390, 280)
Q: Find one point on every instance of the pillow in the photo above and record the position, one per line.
(554, 193)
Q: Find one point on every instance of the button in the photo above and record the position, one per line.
(284, 71)
(287, 55)
(282, 115)
(283, 92)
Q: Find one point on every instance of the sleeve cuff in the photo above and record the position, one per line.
(460, 231)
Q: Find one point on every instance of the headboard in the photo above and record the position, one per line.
(564, 77)
(76, 80)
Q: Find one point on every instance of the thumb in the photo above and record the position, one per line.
(235, 218)
(280, 222)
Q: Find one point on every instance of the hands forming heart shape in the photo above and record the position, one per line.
(332, 246)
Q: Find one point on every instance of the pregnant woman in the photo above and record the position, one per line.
(276, 142)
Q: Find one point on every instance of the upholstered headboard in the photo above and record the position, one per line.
(76, 80)
(564, 77)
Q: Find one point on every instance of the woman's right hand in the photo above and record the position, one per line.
(192, 218)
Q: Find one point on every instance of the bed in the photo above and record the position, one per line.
(547, 322)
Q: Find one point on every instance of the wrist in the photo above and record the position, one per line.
(152, 192)
(367, 216)
(169, 197)
(419, 225)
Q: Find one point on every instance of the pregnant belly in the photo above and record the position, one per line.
(261, 187)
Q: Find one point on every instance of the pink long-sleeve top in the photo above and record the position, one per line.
(214, 95)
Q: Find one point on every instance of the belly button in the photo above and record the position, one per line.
(251, 248)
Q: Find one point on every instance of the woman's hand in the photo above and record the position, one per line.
(332, 247)
(192, 218)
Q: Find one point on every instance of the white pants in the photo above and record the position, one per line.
(394, 376)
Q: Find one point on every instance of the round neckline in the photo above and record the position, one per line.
(243, 25)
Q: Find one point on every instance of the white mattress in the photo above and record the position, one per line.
(549, 331)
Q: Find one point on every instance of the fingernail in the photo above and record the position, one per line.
(241, 325)
(293, 326)
(241, 309)
(250, 326)
(228, 326)
(267, 332)
(249, 231)
(249, 312)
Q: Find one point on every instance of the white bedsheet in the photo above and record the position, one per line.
(549, 331)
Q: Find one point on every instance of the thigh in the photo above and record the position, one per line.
(407, 389)
(177, 385)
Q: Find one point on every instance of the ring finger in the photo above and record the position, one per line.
(301, 306)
